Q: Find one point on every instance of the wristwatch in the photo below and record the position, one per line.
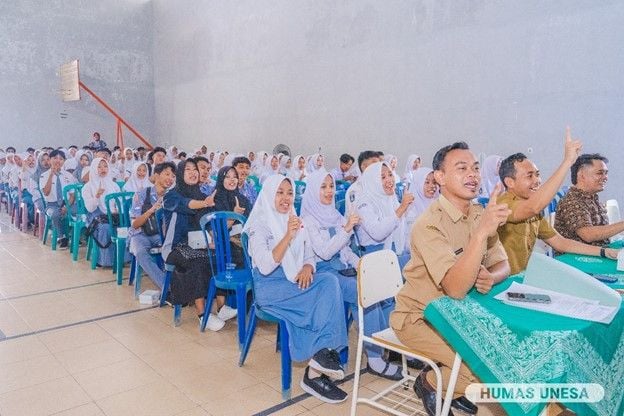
(602, 252)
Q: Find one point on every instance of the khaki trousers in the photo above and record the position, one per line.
(423, 339)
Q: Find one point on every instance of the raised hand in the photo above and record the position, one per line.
(237, 208)
(572, 148)
(352, 221)
(408, 198)
(294, 224)
(495, 214)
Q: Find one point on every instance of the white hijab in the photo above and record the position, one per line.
(491, 164)
(311, 205)
(135, 184)
(386, 205)
(265, 214)
(90, 189)
(409, 171)
(421, 202)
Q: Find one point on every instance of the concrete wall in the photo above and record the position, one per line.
(402, 76)
(112, 40)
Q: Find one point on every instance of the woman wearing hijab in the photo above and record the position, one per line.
(139, 178)
(412, 165)
(299, 171)
(382, 224)
(330, 236)
(491, 165)
(28, 184)
(425, 191)
(82, 169)
(271, 167)
(392, 163)
(127, 162)
(285, 165)
(286, 286)
(42, 166)
(228, 198)
(315, 161)
(94, 193)
(183, 206)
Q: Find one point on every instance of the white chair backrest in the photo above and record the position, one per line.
(379, 277)
(613, 211)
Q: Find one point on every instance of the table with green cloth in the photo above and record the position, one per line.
(507, 344)
(596, 265)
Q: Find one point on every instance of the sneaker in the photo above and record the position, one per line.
(226, 313)
(214, 322)
(63, 243)
(322, 388)
(327, 361)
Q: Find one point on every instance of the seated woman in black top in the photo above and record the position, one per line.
(227, 197)
(183, 206)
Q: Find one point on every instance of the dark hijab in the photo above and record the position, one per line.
(190, 191)
(225, 200)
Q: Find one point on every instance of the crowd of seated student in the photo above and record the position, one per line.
(446, 243)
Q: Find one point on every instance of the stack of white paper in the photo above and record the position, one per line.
(573, 293)
(561, 304)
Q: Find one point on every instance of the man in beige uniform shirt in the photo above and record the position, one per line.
(454, 247)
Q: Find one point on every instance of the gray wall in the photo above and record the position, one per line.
(112, 40)
(403, 76)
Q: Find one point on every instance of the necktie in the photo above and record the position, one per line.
(59, 189)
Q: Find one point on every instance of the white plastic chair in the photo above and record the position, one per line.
(379, 278)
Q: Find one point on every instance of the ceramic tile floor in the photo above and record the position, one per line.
(72, 342)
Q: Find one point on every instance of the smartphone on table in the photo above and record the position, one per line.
(528, 297)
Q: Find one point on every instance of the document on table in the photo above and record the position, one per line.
(561, 304)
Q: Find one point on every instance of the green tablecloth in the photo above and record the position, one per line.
(507, 344)
(595, 265)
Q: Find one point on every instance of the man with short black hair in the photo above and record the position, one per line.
(51, 184)
(454, 248)
(140, 244)
(580, 215)
(246, 188)
(526, 198)
(344, 171)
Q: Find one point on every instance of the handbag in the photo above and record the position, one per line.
(150, 227)
(95, 223)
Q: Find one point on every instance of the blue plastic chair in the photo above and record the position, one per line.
(282, 345)
(220, 223)
(123, 203)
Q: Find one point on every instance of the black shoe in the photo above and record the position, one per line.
(427, 394)
(396, 376)
(322, 388)
(465, 405)
(327, 361)
(63, 243)
(414, 363)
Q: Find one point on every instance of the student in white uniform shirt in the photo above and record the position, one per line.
(51, 184)
(382, 217)
(139, 179)
(366, 158)
(330, 237)
(344, 171)
(298, 171)
(412, 165)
